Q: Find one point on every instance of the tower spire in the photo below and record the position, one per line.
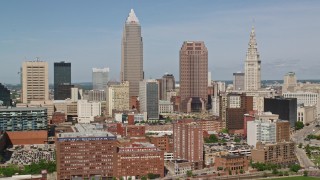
(132, 18)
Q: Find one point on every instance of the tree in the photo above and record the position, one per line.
(143, 178)
(219, 168)
(275, 171)
(300, 145)
(305, 173)
(241, 171)
(189, 173)
(153, 176)
(299, 125)
(295, 167)
(230, 172)
(237, 139)
(280, 173)
(286, 173)
(224, 130)
(212, 139)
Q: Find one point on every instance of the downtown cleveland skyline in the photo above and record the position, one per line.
(89, 35)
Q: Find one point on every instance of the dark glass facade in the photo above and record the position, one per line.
(153, 100)
(286, 108)
(5, 96)
(62, 76)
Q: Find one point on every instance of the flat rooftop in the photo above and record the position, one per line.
(11, 109)
(86, 130)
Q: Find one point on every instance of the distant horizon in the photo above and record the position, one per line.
(88, 34)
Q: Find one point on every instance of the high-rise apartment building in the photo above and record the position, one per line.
(252, 74)
(193, 76)
(167, 85)
(238, 81)
(100, 78)
(289, 82)
(261, 131)
(149, 98)
(118, 97)
(35, 83)
(132, 54)
(62, 80)
(188, 141)
(23, 119)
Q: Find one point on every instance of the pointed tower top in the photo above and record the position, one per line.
(253, 42)
(132, 18)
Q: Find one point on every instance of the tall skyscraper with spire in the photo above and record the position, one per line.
(252, 76)
(132, 54)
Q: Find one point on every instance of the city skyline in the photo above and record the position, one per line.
(93, 39)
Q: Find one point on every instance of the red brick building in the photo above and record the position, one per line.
(232, 163)
(188, 142)
(139, 159)
(161, 142)
(58, 117)
(27, 137)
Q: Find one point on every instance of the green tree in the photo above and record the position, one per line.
(237, 139)
(212, 139)
(241, 171)
(299, 125)
(224, 130)
(189, 173)
(300, 145)
(153, 176)
(275, 171)
(280, 173)
(305, 173)
(143, 178)
(286, 173)
(295, 167)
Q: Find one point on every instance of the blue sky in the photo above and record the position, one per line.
(88, 34)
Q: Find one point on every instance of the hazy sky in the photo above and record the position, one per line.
(88, 34)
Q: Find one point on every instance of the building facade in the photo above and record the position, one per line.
(188, 141)
(100, 78)
(238, 81)
(87, 153)
(149, 98)
(62, 76)
(193, 76)
(232, 163)
(278, 153)
(97, 95)
(5, 96)
(35, 82)
(23, 119)
(261, 131)
(118, 97)
(168, 84)
(139, 159)
(289, 82)
(132, 54)
(305, 98)
(286, 108)
(87, 111)
(252, 74)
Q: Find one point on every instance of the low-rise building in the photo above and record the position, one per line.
(232, 163)
(281, 153)
(306, 114)
(139, 159)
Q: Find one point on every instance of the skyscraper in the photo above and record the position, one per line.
(62, 80)
(132, 54)
(168, 84)
(238, 81)
(289, 82)
(35, 85)
(100, 78)
(252, 74)
(193, 76)
(149, 98)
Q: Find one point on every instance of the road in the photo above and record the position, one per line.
(299, 137)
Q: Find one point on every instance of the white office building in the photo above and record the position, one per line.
(261, 131)
(87, 111)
